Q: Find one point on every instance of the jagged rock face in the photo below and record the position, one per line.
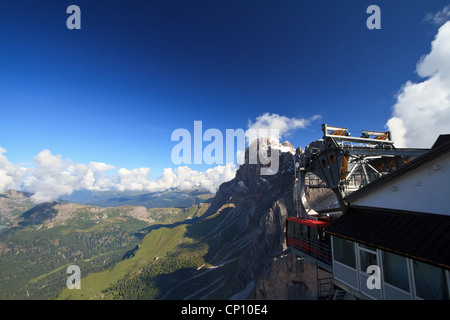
(250, 185)
(267, 244)
(260, 205)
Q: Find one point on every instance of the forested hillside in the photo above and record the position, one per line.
(42, 241)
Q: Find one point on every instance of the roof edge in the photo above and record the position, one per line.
(373, 242)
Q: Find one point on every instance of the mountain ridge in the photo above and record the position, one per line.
(161, 199)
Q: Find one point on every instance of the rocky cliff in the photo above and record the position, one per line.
(255, 208)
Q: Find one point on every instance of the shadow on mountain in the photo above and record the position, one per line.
(165, 282)
(39, 213)
(143, 232)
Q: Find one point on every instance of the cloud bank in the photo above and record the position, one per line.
(422, 110)
(51, 176)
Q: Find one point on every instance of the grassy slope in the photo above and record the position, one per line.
(34, 258)
(156, 245)
(167, 257)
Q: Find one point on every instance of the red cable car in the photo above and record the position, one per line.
(308, 236)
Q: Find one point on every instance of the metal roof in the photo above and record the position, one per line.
(420, 236)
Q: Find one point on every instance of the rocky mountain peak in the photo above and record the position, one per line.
(249, 183)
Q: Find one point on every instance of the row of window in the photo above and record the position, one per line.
(401, 277)
(298, 229)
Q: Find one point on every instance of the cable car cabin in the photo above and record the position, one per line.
(308, 237)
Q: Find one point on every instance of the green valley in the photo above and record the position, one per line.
(167, 257)
(43, 240)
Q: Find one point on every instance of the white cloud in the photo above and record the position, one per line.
(8, 173)
(47, 181)
(284, 125)
(186, 178)
(315, 117)
(422, 110)
(135, 179)
(440, 17)
(52, 177)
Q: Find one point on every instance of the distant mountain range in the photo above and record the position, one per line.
(164, 199)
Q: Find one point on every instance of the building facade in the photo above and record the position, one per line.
(393, 242)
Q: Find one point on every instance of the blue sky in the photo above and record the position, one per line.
(114, 91)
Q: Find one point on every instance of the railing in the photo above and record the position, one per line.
(319, 250)
(314, 182)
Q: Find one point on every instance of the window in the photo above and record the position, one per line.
(363, 246)
(333, 159)
(395, 270)
(294, 229)
(367, 259)
(297, 229)
(344, 251)
(304, 230)
(313, 234)
(322, 235)
(430, 281)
